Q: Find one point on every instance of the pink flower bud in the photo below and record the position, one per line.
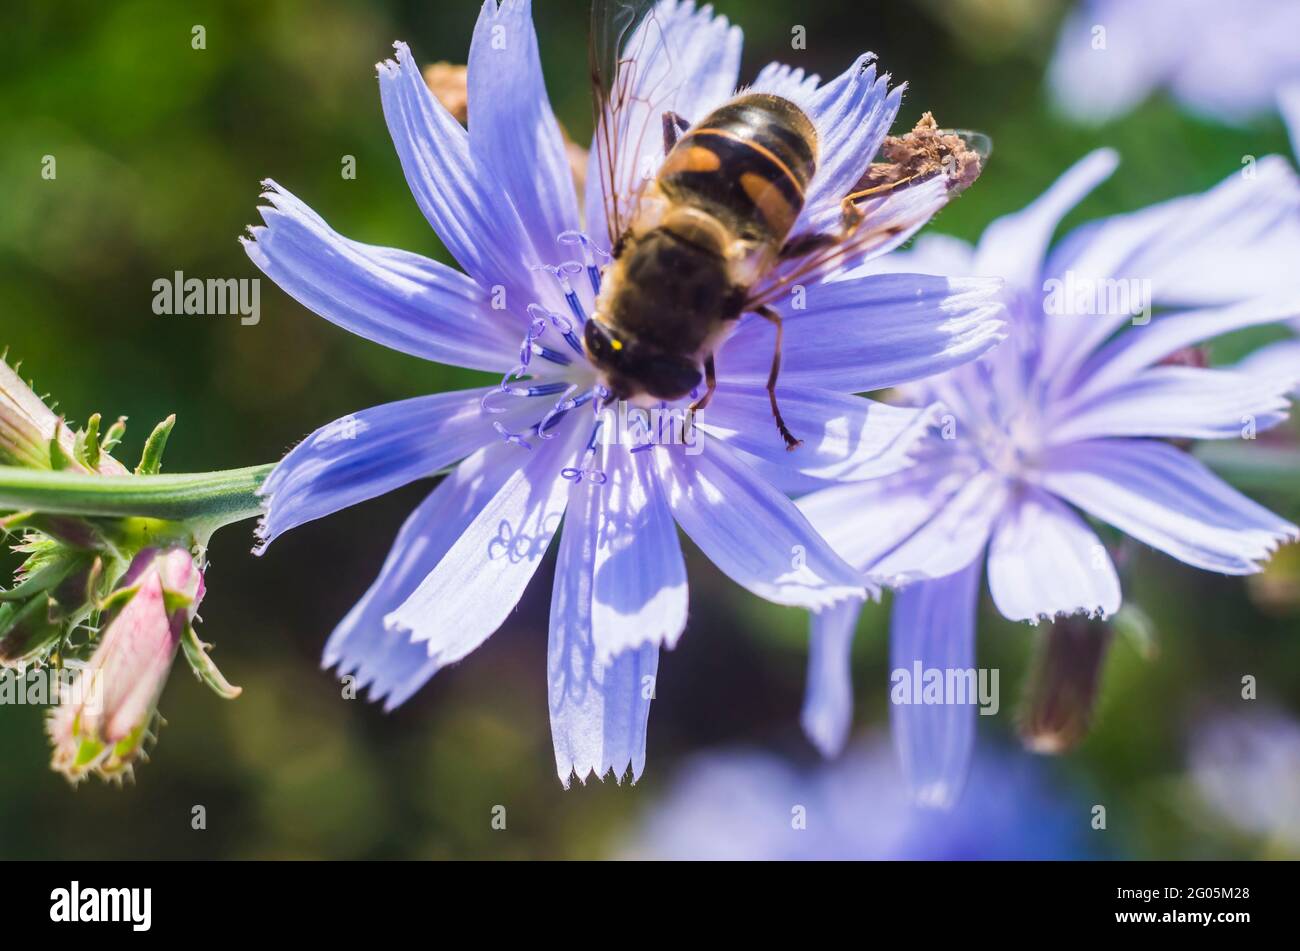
(102, 721)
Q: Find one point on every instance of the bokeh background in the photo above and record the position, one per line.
(160, 149)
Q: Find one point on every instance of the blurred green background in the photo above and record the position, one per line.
(160, 149)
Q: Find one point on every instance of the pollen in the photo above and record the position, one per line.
(616, 344)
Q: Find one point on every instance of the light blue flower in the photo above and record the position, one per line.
(1245, 771)
(1282, 359)
(1073, 413)
(527, 453)
(1223, 60)
(747, 805)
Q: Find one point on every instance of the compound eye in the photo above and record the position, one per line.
(602, 344)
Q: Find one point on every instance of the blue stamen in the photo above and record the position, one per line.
(513, 438)
(561, 323)
(589, 252)
(575, 474)
(555, 412)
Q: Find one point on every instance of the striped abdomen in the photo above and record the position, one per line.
(748, 163)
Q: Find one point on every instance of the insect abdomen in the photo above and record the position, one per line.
(749, 163)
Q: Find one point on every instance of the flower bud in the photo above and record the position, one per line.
(32, 436)
(1056, 711)
(102, 722)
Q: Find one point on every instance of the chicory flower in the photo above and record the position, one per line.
(530, 452)
(1223, 60)
(1073, 415)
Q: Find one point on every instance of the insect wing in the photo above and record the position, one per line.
(633, 85)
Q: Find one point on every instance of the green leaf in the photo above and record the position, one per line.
(196, 652)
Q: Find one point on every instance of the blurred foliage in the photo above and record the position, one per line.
(160, 149)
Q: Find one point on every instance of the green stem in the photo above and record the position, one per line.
(1254, 468)
(207, 500)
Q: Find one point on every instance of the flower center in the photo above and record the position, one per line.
(547, 368)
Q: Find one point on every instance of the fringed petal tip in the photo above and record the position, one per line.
(568, 772)
(390, 68)
(1097, 612)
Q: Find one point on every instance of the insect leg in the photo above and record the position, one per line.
(674, 126)
(851, 218)
(711, 384)
(768, 314)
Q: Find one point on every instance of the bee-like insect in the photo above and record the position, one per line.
(696, 246)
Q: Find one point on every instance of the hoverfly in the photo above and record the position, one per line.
(710, 236)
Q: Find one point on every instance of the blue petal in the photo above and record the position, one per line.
(1288, 103)
(1277, 361)
(846, 438)
(640, 594)
(1233, 243)
(369, 453)
(1014, 246)
(828, 700)
(1045, 561)
(465, 202)
(388, 662)
(866, 521)
(1140, 347)
(476, 585)
(870, 333)
(934, 626)
(599, 709)
(1174, 401)
(853, 113)
(512, 129)
(778, 79)
(1166, 499)
(753, 533)
(401, 300)
(1142, 47)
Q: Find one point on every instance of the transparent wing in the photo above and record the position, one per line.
(633, 84)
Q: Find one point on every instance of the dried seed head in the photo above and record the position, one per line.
(927, 151)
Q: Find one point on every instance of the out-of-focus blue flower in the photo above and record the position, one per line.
(1224, 60)
(1245, 768)
(1075, 412)
(528, 452)
(1282, 359)
(747, 805)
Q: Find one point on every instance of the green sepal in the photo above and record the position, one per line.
(196, 652)
(88, 448)
(118, 598)
(114, 435)
(27, 634)
(59, 458)
(151, 458)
